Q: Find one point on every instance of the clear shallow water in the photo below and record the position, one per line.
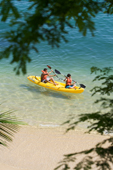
(41, 107)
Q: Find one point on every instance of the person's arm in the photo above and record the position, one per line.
(52, 75)
(65, 79)
(74, 83)
(50, 71)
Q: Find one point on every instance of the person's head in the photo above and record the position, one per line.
(45, 69)
(68, 75)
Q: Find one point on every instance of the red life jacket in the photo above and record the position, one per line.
(44, 77)
(68, 82)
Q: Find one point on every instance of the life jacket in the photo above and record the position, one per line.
(44, 77)
(68, 82)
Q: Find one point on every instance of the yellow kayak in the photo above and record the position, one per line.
(60, 87)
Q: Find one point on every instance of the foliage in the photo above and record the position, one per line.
(8, 126)
(101, 121)
(45, 21)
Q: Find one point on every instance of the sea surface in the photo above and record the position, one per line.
(41, 107)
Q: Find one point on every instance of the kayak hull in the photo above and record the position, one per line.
(60, 87)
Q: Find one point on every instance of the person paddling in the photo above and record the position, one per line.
(45, 79)
(69, 84)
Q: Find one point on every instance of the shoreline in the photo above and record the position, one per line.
(36, 148)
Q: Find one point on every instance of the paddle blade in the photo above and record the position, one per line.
(48, 66)
(83, 86)
(58, 72)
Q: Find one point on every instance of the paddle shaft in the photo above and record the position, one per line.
(81, 85)
(63, 75)
(53, 72)
(66, 77)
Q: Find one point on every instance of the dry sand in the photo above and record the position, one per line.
(41, 149)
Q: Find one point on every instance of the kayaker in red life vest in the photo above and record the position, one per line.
(69, 82)
(45, 79)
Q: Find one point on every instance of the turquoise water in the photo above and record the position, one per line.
(41, 107)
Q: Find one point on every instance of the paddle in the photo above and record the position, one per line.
(81, 85)
(54, 72)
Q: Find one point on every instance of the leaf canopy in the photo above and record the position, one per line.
(45, 21)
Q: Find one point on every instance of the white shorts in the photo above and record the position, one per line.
(48, 79)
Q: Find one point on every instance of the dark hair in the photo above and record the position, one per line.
(45, 69)
(68, 75)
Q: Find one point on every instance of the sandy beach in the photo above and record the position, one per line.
(41, 149)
